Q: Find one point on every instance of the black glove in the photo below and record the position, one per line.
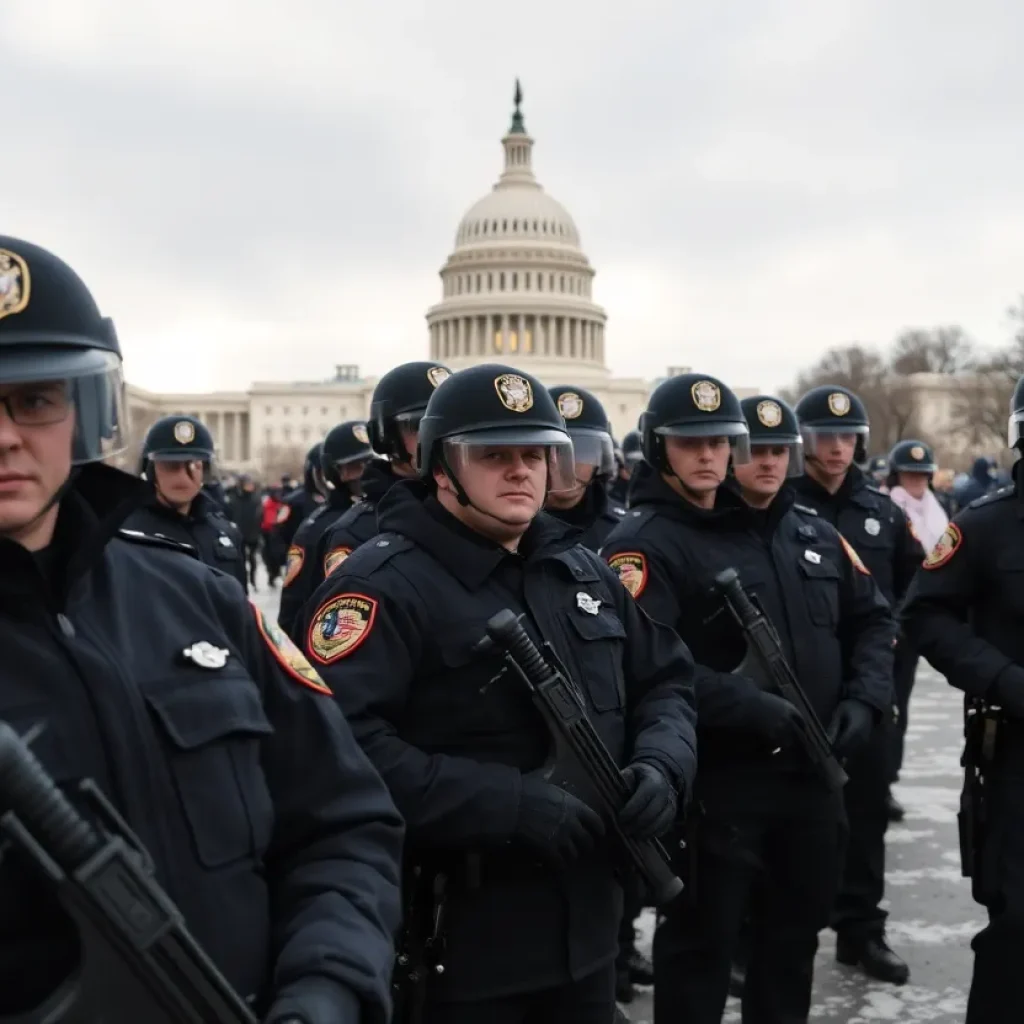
(851, 726)
(778, 721)
(651, 807)
(1008, 690)
(555, 823)
(315, 1000)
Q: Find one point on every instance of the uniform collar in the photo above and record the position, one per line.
(648, 487)
(854, 489)
(378, 478)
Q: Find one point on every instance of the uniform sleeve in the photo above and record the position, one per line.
(645, 574)
(867, 633)
(659, 693)
(367, 646)
(296, 584)
(936, 615)
(334, 862)
(909, 554)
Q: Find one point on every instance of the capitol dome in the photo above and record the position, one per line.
(517, 286)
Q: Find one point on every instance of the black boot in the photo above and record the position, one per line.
(894, 809)
(874, 957)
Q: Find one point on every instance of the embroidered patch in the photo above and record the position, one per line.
(288, 656)
(296, 556)
(631, 568)
(340, 625)
(282, 514)
(945, 549)
(334, 558)
(854, 557)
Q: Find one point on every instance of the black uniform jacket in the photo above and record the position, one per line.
(268, 826)
(296, 508)
(303, 568)
(835, 627)
(216, 540)
(596, 515)
(393, 632)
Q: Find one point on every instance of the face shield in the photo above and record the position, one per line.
(812, 433)
(197, 465)
(514, 447)
(795, 445)
(738, 435)
(594, 448)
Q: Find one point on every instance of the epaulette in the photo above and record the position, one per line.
(1009, 491)
(157, 540)
(369, 557)
(806, 509)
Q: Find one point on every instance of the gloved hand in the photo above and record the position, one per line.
(1008, 691)
(315, 1000)
(778, 721)
(555, 823)
(851, 726)
(651, 807)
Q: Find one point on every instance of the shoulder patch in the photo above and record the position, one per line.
(631, 568)
(853, 556)
(340, 625)
(806, 509)
(287, 655)
(282, 514)
(296, 556)
(997, 495)
(157, 540)
(945, 548)
(335, 557)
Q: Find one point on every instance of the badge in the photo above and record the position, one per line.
(813, 557)
(15, 283)
(282, 514)
(769, 413)
(945, 549)
(360, 434)
(917, 453)
(872, 527)
(436, 374)
(587, 604)
(288, 656)
(570, 405)
(225, 541)
(706, 396)
(205, 655)
(334, 558)
(184, 432)
(839, 403)
(340, 625)
(631, 568)
(853, 556)
(296, 556)
(515, 392)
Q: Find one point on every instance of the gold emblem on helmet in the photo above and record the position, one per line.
(839, 403)
(515, 392)
(15, 283)
(570, 405)
(917, 453)
(707, 395)
(184, 432)
(360, 434)
(769, 413)
(436, 374)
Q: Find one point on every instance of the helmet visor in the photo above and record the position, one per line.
(737, 433)
(1014, 434)
(515, 448)
(795, 445)
(594, 448)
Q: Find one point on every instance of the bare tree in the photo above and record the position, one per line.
(938, 350)
(277, 460)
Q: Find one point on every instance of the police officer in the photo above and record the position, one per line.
(587, 506)
(766, 834)
(150, 674)
(396, 408)
(299, 504)
(964, 612)
(531, 927)
(631, 455)
(344, 454)
(834, 424)
(177, 456)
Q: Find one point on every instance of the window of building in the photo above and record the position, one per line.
(269, 410)
(501, 281)
(515, 281)
(497, 340)
(286, 410)
(490, 282)
(478, 282)
(526, 284)
(323, 410)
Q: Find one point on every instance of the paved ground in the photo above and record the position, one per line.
(932, 915)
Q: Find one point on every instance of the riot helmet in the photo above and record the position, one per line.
(1014, 433)
(313, 481)
(398, 403)
(345, 444)
(52, 333)
(772, 422)
(912, 457)
(587, 424)
(632, 448)
(831, 409)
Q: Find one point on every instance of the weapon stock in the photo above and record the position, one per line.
(767, 661)
(139, 963)
(597, 779)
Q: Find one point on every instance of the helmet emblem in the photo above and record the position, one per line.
(769, 413)
(15, 283)
(839, 403)
(515, 392)
(436, 374)
(184, 432)
(360, 434)
(917, 453)
(707, 395)
(570, 405)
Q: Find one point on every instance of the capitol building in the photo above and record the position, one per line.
(517, 288)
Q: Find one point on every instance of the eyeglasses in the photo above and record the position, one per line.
(39, 405)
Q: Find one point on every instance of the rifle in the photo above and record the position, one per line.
(596, 779)
(981, 733)
(771, 668)
(138, 962)
(421, 944)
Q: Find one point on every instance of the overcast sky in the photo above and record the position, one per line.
(259, 189)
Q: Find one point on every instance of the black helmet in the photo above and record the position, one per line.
(692, 405)
(632, 447)
(493, 406)
(912, 457)
(398, 400)
(345, 443)
(587, 423)
(51, 330)
(312, 479)
(1014, 435)
(772, 421)
(831, 409)
(178, 439)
